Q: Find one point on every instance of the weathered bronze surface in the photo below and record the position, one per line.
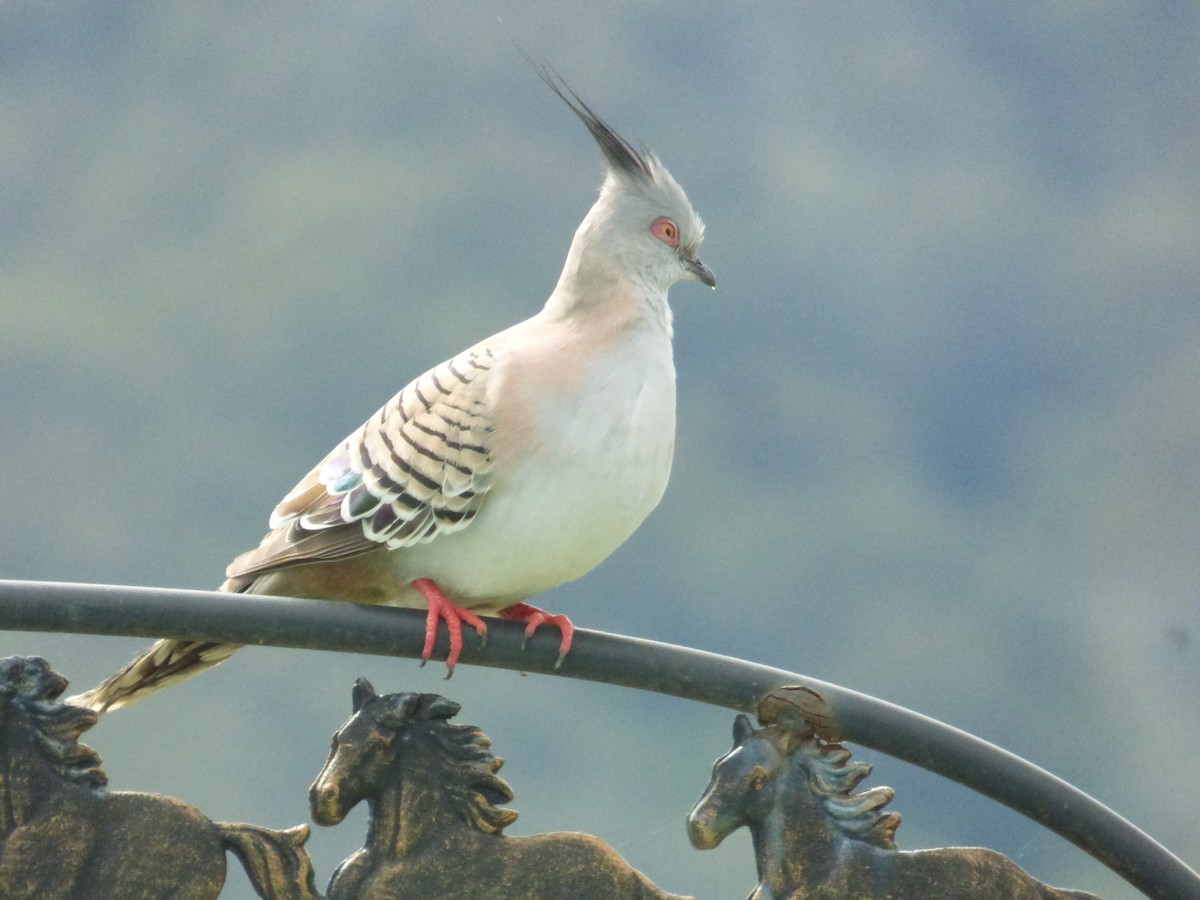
(815, 838)
(64, 837)
(437, 819)
(435, 829)
(798, 708)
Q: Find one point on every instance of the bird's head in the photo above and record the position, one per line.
(642, 226)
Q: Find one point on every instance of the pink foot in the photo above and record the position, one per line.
(533, 617)
(442, 607)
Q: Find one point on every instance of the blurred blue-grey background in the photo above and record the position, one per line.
(939, 427)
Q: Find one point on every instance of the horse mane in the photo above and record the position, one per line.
(469, 768)
(30, 689)
(833, 777)
(474, 785)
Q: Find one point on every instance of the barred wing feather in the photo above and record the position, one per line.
(419, 467)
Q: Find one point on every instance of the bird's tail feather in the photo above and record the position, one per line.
(168, 662)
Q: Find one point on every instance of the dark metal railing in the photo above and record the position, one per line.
(596, 656)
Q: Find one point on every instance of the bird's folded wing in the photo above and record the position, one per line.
(419, 467)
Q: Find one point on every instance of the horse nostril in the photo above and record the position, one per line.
(322, 798)
(700, 832)
(324, 807)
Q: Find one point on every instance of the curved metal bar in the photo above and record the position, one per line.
(631, 662)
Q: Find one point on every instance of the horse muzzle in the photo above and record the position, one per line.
(325, 804)
(702, 828)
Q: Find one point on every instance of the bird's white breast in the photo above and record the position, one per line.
(584, 440)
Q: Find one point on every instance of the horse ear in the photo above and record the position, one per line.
(742, 730)
(363, 691)
(435, 706)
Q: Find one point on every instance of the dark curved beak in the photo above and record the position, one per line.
(692, 263)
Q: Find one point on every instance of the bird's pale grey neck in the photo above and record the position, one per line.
(594, 284)
(598, 292)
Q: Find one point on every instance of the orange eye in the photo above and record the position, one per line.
(666, 231)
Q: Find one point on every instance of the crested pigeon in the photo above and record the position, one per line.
(516, 466)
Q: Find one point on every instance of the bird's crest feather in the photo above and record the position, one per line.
(621, 155)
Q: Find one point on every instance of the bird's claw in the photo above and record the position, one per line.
(533, 618)
(442, 608)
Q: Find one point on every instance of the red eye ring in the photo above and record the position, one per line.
(665, 229)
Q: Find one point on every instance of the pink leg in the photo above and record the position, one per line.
(442, 607)
(533, 617)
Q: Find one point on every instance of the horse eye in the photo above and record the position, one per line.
(758, 778)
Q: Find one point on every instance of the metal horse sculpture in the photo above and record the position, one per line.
(815, 838)
(62, 836)
(435, 829)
